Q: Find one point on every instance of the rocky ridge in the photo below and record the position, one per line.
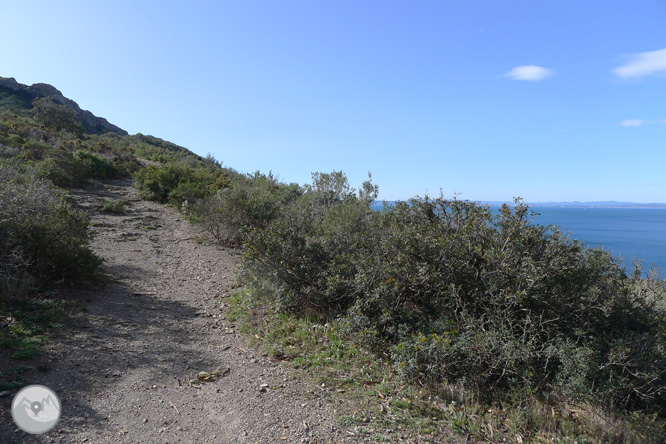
(91, 123)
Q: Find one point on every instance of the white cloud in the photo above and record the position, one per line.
(633, 122)
(530, 73)
(640, 122)
(643, 64)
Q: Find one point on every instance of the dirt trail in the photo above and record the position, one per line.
(122, 373)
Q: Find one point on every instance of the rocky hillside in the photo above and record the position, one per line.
(19, 97)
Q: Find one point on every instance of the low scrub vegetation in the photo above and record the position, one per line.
(43, 239)
(248, 204)
(226, 204)
(454, 293)
(183, 182)
(375, 403)
(456, 313)
(43, 151)
(68, 159)
(115, 206)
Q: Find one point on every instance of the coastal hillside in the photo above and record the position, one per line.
(167, 296)
(19, 98)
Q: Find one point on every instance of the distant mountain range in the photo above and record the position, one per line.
(575, 204)
(597, 204)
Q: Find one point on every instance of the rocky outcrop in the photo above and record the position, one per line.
(11, 83)
(91, 123)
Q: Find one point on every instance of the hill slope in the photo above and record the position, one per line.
(18, 97)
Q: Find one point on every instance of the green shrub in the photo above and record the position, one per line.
(7, 152)
(34, 150)
(94, 166)
(189, 192)
(452, 291)
(498, 302)
(66, 169)
(43, 239)
(115, 206)
(14, 140)
(56, 117)
(53, 170)
(305, 253)
(186, 180)
(250, 204)
(158, 182)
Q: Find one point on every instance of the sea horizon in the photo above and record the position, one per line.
(564, 204)
(628, 232)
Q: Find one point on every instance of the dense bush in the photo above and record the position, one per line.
(56, 117)
(498, 302)
(305, 253)
(156, 182)
(181, 181)
(43, 240)
(94, 165)
(453, 291)
(248, 204)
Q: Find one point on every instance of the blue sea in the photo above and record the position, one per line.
(627, 233)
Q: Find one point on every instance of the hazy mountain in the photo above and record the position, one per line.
(575, 204)
(599, 204)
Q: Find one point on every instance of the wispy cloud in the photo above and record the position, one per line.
(531, 73)
(639, 122)
(643, 64)
(633, 122)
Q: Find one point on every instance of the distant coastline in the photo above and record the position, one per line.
(575, 204)
(601, 204)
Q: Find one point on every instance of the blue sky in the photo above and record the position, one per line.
(547, 100)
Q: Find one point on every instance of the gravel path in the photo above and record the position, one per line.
(123, 373)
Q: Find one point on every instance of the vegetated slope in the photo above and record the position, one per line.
(18, 98)
(479, 309)
(45, 152)
(144, 337)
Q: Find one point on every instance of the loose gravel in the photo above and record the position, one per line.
(126, 371)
